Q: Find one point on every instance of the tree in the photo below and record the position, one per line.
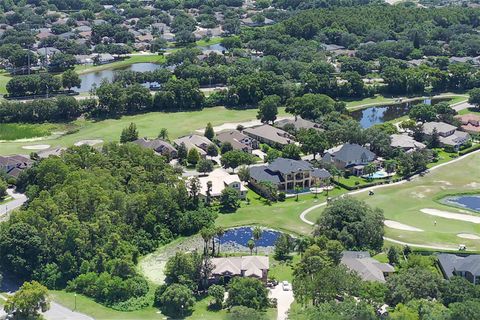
(209, 133)
(370, 169)
(458, 289)
(70, 79)
(217, 293)
(183, 268)
(212, 150)
(244, 313)
(393, 255)
(268, 109)
(474, 97)
(219, 232)
(257, 234)
(434, 139)
(465, 310)
(182, 152)
(244, 173)
(247, 292)
(423, 112)
(355, 224)
(273, 154)
(3, 189)
(229, 200)
(204, 166)
(235, 158)
(282, 246)
(291, 151)
(129, 133)
(226, 146)
(193, 156)
(251, 245)
(26, 303)
(163, 134)
(177, 300)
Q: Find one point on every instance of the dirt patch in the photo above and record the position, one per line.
(451, 215)
(400, 226)
(88, 142)
(37, 147)
(468, 236)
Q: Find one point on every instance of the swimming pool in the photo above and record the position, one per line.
(376, 175)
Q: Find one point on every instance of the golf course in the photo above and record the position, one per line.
(414, 213)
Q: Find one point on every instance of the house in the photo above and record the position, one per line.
(470, 122)
(287, 174)
(349, 155)
(220, 179)
(270, 135)
(194, 141)
(297, 123)
(405, 142)
(13, 165)
(467, 266)
(159, 146)
(238, 140)
(365, 266)
(104, 58)
(448, 134)
(245, 266)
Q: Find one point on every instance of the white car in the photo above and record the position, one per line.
(286, 286)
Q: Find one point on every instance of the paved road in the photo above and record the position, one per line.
(18, 200)
(307, 211)
(284, 300)
(462, 105)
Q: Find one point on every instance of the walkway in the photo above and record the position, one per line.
(307, 211)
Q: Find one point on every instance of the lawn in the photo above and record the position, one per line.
(282, 216)
(4, 78)
(403, 203)
(283, 270)
(209, 41)
(470, 110)
(148, 124)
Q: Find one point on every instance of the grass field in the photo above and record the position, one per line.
(148, 124)
(403, 203)
(15, 131)
(153, 58)
(4, 78)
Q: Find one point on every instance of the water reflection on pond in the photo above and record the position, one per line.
(240, 236)
(470, 201)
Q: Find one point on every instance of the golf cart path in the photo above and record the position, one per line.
(308, 210)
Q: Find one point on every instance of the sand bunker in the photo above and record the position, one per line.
(451, 215)
(36, 147)
(468, 236)
(88, 142)
(400, 226)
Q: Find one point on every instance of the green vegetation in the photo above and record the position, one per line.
(4, 78)
(15, 131)
(139, 58)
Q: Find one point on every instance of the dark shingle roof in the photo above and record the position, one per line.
(321, 174)
(450, 263)
(287, 166)
(352, 152)
(261, 173)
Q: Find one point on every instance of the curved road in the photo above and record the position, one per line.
(18, 200)
(307, 211)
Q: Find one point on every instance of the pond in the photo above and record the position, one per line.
(470, 201)
(89, 79)
(380, 114)
(215, 47)
(240, 237)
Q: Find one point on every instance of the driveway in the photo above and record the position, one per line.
(18, 200)
(284, 300)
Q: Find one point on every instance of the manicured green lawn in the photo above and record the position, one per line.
(153, 58)
(209, 42)
(4, 78)
(281, 215)
(148, 124)
(469, 110)
(403, 203)
(14, 131)
(283, 270)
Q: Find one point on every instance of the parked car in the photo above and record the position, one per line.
(286, 286)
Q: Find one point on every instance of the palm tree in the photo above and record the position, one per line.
(390, 166)
(302, 244)
(163, 134)
(220, 232)
(370, 169)
(251, 245)
(297, 191)
(207, 235)
(257, 234)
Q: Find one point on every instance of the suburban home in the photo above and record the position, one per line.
(238, 140)
(246, 266)
(287, 174)
(159, 146)
(467, 266)
(194, 141)
(448, 134)
(365, 266)
(220, 180)
(470, 122)
(406, 143)
(270, 135)
(297, 123)
(14, 165)
(349, 156)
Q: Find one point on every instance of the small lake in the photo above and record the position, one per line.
(380, 114)
(240, 236)
(215, 47)
(89, 79)
(470, 201)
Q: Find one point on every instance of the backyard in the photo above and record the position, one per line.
(414, 204)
